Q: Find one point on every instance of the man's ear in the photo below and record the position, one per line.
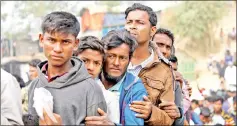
(76, 44)
(153, 31)
(41, 38)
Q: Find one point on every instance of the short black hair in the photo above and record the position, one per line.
(89, 42)
(138, 6)
(60, 21)
(218, 98)
(205, 111)
(195, 101)
(116, 38)
(34, 62)
(173, 59)
(166, 32)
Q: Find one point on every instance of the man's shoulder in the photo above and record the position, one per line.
(91, 85)
(136, 82)
(160, 68)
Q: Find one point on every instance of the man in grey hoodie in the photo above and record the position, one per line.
(75, 94)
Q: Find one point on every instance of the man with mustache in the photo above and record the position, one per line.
(119, 48)
(156, 75)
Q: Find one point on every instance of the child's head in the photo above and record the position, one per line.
(91, 51)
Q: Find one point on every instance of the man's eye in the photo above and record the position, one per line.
(85, 61)
(66, 42)
(97, 63)
(51, 40)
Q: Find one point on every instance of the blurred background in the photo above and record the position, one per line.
(205, 34)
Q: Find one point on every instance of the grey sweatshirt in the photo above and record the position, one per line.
(75, 94)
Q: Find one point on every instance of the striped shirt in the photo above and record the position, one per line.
(135, 69)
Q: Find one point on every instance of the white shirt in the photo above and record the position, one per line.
(11, 108)
(112, 102)
(230, 76)
(135, 69)
(218, 119)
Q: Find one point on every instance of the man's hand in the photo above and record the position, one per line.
(170, 108)
(99, 120)
(48, 121)
(178, 77)
(144, 108)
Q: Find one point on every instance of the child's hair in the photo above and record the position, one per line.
(60, 21)
(89, 42)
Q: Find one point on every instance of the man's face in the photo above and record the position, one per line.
(93, 60)
(194, 105)
(217, 106)
(58, 47)
(139, 26)
(33, 72)
(116, 62)
(174, 66)
(164, 43)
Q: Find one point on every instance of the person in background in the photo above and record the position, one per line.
(221, 68)
(219, 115)
(91, 51)
(230, 76)
(11, 110)
(24, 91)
(163, 40)
(33, 69)
(19, 80)
(228, 57)
(205, 116)
(195, 106)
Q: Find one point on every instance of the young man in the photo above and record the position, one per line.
(156, 75)
(219, 115)
(163, 39)
(75, 93)
(205, 116)
(91, 51)
(119, 47)
(11, 110)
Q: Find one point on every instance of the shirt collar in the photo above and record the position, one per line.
(117, 87)
(145, 62)
(45, 71)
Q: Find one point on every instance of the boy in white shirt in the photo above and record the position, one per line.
(91, 51)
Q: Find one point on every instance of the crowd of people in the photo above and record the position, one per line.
(129, 77)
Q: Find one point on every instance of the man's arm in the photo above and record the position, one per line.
(130, 115)
(158, 116)
(95, 100)
(155, 115)
(11, 109)
(180, 120)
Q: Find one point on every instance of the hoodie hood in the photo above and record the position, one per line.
(75, 75)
